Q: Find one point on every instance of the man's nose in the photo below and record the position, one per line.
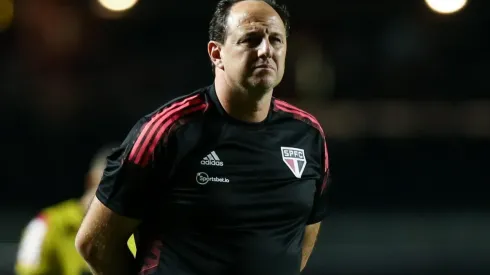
(265, 49)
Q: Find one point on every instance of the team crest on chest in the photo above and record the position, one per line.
(295, 159)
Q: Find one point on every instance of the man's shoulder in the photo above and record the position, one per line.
(179, 106)
(156, 127)
(170, 112)
(297, 113)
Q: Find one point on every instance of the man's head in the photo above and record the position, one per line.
(248, 42)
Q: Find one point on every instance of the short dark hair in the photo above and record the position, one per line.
(217, 25)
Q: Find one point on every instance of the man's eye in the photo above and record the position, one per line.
(276, 40)
(252, 40)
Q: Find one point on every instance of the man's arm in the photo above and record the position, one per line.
(309, 240)
(102, 241)
(319, 210)
(124, 196)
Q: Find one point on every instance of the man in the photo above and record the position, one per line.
(226, 180)
(47, 242)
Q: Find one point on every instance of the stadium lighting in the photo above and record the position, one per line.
(6, 14)
(117, 5)
(446, 6)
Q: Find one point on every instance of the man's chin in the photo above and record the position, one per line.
(263, 84)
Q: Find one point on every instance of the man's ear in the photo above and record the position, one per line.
(214, 52)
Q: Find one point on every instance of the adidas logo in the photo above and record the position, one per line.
(211, 160)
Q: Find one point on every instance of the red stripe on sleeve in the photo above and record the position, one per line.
(171, 119)
(151, 126)
(288, 108)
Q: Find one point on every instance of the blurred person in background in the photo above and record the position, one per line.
(224, 181)
(47, 246)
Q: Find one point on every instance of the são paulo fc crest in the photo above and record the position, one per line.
(295, 159)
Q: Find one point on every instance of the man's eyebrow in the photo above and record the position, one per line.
(258, 31)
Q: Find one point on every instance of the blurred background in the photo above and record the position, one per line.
(400, 88)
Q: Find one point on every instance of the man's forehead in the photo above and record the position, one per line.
(250, 15)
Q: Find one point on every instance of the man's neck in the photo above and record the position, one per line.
(243, 105)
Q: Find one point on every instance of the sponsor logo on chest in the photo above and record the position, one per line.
(212, 159)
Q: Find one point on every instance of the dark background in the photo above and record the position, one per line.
(401, 91)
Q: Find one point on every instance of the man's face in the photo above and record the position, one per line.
(254, 51)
